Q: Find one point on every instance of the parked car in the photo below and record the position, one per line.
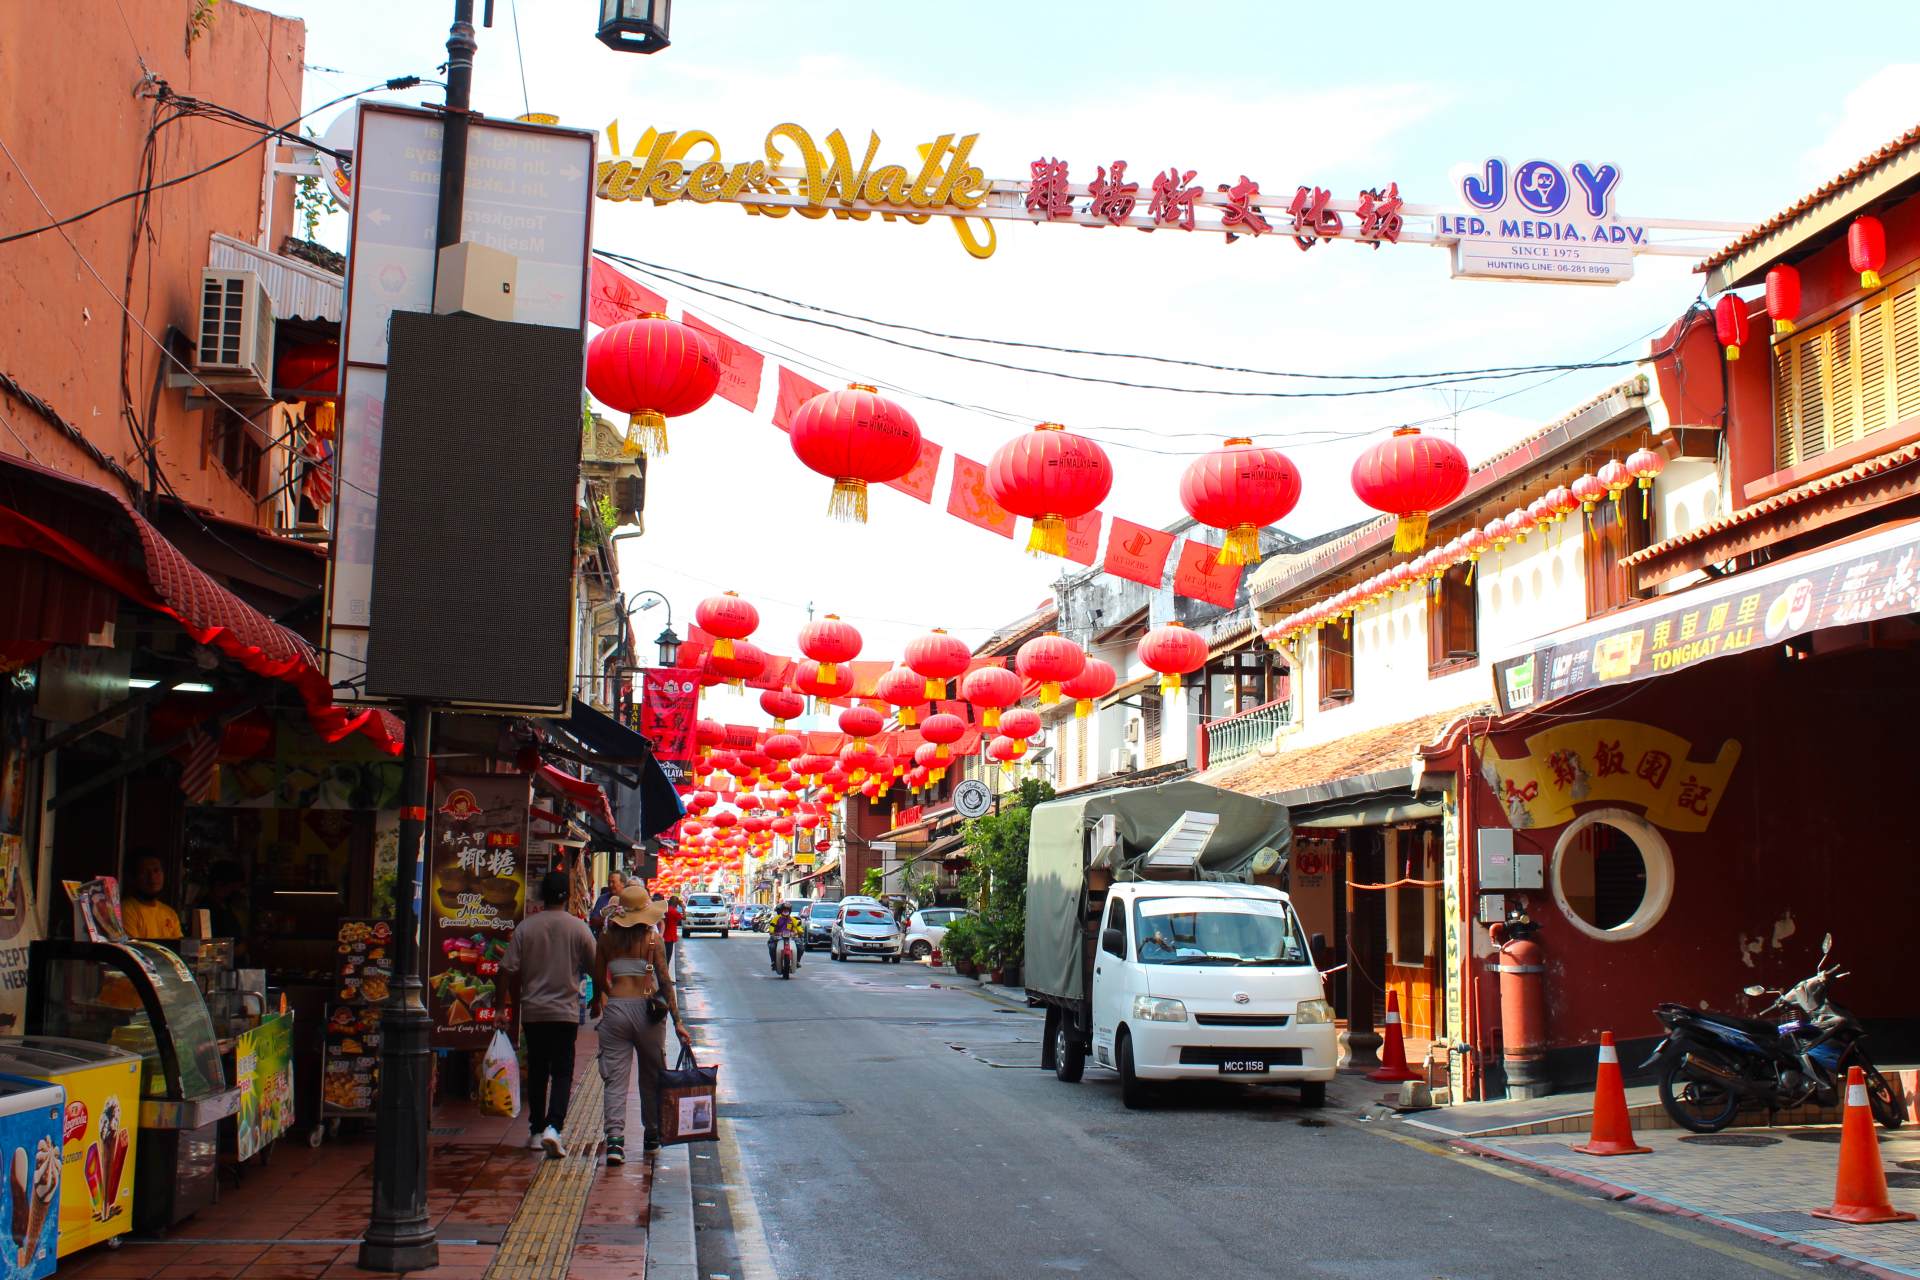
(927, 927)
(865, 927)
(706, 913)
(820, 917)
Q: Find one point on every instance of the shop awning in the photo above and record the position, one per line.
(98, 535)
(1865, 578)
(590, 796)
(642, 793)
(827, 870)
(299, 290)
(608, 739)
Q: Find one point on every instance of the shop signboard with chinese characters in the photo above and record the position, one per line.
(475, 900)
(1855, 582)
(1535, 221)
(1614, 762)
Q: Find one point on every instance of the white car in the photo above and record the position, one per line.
(865, 927)
(707, 913)
(927, 927)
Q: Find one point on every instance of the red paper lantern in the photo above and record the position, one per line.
(1561, 502)
(1096, 680)
(726, 618)
(701, 801)
(926, 755)
(1004, 749)
(784, 746)
(806, 677)
(1614, 478)
(1410, 475)
(1867, 249)
(1644, 465)
(822, 846)
(857, 438)
(1173, 651)
(1730, 324)
(753, 825)
(990, 688)
(829, 642)
(943, 731)
(917, 778)
(708, 734)
(904, 690)
(651, 369)
(725, 819)
(1588, 491)
(1519, 521)
(782, 826)
(937, 658)
(1020, 723)
(1050, 476)
(861, 722)
(744, 663)
(1783, 297)
(1050, 661)
(783, 705)
(1239, 488)
(835, 780)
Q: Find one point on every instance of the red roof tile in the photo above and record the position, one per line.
(1853, 173)
(1356, 755)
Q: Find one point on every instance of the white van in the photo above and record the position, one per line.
(1202, 981)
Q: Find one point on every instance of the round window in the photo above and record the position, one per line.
(1612, 874)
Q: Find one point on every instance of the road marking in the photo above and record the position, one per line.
(1548, 1186)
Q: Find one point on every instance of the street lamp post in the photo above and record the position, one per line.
(667, 643)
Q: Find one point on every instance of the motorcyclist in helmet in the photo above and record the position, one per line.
(784, 926)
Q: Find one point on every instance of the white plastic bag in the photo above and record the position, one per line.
(500, 1078)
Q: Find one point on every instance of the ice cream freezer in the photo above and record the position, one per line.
(95, 1135)
(32, 1118)
(141, 998)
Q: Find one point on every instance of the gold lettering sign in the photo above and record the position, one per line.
(830, 180)
(1620, 761)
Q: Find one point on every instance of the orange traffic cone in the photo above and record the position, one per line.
(1612, 1130)
(1860, 1192)
(1393, 1049)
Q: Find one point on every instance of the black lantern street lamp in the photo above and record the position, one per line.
(634, 26)
(669, 647)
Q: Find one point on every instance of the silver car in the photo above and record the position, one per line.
(866, 927)
(927, 927)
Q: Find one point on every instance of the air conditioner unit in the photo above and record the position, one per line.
(1119, 760)
(233, 348)
(1133, 728)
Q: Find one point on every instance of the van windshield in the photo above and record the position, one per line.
(1217, 931)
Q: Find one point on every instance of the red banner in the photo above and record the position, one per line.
(794, 391)
(918, 482)
(669, 706)
(1201, 576)
(740, 364)
(1083, 538)
(613, 296)
(970, 500)
(1137, 553)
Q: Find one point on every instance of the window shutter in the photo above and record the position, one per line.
(1848, 377)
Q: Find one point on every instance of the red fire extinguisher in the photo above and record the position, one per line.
(1523, 1006)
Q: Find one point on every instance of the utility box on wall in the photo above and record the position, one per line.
(1501, 867)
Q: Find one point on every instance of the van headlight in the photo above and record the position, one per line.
(1149, 1009)
(1313, 1013)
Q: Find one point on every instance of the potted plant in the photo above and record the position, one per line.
(960, 946)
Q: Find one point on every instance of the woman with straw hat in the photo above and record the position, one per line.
(632, 996)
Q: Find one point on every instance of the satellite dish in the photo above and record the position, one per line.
(335, 172)
(1265, 861)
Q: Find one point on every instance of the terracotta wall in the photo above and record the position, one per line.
(1816, 832)
(77, 133)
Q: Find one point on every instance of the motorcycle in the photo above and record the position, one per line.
(1715, 1063)
(783, 958)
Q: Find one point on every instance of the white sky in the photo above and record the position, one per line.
(1281, 95)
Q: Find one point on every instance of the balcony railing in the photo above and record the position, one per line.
(1239, 736)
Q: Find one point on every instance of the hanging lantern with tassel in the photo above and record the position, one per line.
(943, 731)
(783, 705)
(1409, 475)
(1096, 680)
(1173, 651)
(1730, 324)
(937, 658)
(1049, 661)
(1615, 479)
(651, 369)
(990, 689)
(726, 618)
(1050, 476)
(1783, 297)
(1239, 488)
(904, 690)
(1867, 249)
(830, 642)
(1644, 465)
(856, 437)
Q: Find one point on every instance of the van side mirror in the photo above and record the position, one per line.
(1114, 942)
(1319, 944)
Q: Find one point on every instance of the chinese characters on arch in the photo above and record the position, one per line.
(1618, 761)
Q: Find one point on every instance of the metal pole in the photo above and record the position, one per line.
(461, 47)
(400, 1236)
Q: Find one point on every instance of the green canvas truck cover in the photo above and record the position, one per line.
(1056, 861)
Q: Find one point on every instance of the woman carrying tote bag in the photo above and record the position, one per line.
(632, 996)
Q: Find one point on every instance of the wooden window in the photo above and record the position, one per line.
(1615, 530)
(1150, 728)
(1080, 728)
(1453, 621)
(1848, 377)
(237, 445)
(1336, 666)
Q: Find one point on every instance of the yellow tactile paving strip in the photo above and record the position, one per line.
(539, 1241)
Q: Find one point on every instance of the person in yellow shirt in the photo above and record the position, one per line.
(141, 909)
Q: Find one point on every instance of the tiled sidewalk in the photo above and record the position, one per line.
(300, 1216)
(1756, 1181)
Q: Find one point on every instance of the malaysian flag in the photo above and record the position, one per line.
(199, 759)
(316, 482)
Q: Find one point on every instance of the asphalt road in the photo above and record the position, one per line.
(881, 1124)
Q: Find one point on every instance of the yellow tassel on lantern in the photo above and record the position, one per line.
(1410, 534)
(936, 689)
(1049, 537)
(827, 671)
(990, 718)
(935, 775)
(723, 648)
(1049, 694)
(849, 501)
(908, 717)
(320, 418)
(940, 752)
(646, 433)
(1082, 708)
(1169, 683)
(1473, 562)
(1869, 279)
(1241, 547)
(874, 799)
(1783, 327)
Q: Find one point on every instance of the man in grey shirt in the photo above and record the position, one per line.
(542, 968)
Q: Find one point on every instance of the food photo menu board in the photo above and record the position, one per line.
(475, 899)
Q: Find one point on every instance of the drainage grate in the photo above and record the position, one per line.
(1731, 1140)
(1816, 1135)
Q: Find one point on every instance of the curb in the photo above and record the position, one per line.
(1641, 1200)
(671, 1250)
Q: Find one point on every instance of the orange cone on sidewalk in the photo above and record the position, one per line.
(1612, 1130)
(1860, 1191)
(1393, 1049)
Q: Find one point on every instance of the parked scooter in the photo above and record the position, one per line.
(1714, 1063)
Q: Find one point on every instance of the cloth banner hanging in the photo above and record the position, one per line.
(669, 708)
(1083, 538)
(793, 392)
(970, 500)
(614, 296)
(918, 482)
(740, 364)
(1199, 574)
(1137, 553)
